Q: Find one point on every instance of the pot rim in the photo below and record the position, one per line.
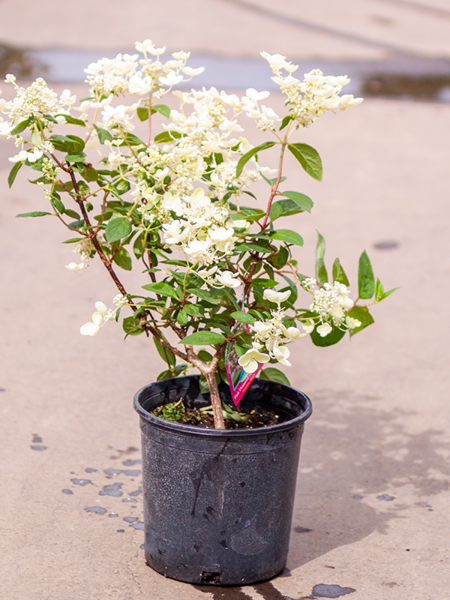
(203, 431)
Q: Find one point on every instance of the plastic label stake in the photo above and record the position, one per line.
(239, 380)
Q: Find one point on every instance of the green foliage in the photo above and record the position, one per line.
(303, 202)
(13, 172)
(103, 135)
(366, 279)
(117, 229)
(274, 375)
(167, 355)
(321, 271)
(380, 294)
(243, 317)
(203, 338)
(250, 154)
(288, 236)
(309, 159)
(339, 273)
(162, 289)
(362, 314)
(36, 213)
(332, 338)
(123, 259)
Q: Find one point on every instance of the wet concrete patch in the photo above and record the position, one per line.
(66, 491)
(38, 448)
(37, 439)
(386, 245)
(111, 490)
(90, 470)
(113, 516)
(139, 526)
(385, 497)
(81, 482)
(130, 519)
(129, 500)
(299, 529)
(269, 592)
(127, 472)
(131, 463)
(98, 510)
(331, 591)
(136, 492)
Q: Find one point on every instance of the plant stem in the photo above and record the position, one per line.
(215, 401)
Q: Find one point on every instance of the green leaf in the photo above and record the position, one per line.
(283, 208)
(194, 310)
(131, 326)
(37, 213)
(20, 127)
(339, 273)
(301, 200)
(243, 317)
(380, 294)
(76, 157)
(252, 247)
(285, 121)
(72, 214)
(162, 109)
(321, 271)
(183, 317)
(162, 289)
(167, 355)
(205, 356)
(288, 236)
(83, 188)
(142, 113)
(248, 155)
(77, 143)
(366, 279)
(123, 260)
(167, 137)
(129, 139)
(362, 314)
(332, 338)
(117, 228)
(308, 158)
(13, 172)
(71, 120)
(208, 295)
(103, 135)
(122, 186)
(203, 338)
(58, 205)
(280, 258)
(274, 375)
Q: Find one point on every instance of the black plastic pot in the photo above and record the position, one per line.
(218, 503)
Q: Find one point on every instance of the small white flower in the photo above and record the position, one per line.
(190, 72)
(282, 355)
(72, 266)
(293, 333)
(10, 78)
(251, 360)
(308, 327)
(352, 323)
(98, 319)
(228, 279)
(324, 330)
(277, 297)
(255, 96)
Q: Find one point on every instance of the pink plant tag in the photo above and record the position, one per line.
(239, 380)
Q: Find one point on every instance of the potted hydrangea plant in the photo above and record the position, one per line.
(221, 288)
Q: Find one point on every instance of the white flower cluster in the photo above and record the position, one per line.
(270, 334)
(126, 73)
(102, 315)
(331, 303)
(310, 98)
(36, 100)
(85, 248)
(201, 231)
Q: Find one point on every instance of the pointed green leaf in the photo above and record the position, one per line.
(76, 157)
(131, 326)
(20, 127)
(288, 236)
(13, 172)
(167, 355)
(274, 375)
(301, 200)
(285, 121)
(203, 338)
(366, 279)
(167, 137)
(308, 158)
(332, 338)
(123, 259)
(162, 109)
(283, 208)
(71, 120)
(117, 229)
(162, 289)
(321, 270)
(36, 213)
(362, 314)
(339, 273)
(142, 113)
(103, 135)
(380, 294)
(243, 317)
(248, 155)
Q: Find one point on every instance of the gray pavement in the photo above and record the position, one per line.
(372, 508)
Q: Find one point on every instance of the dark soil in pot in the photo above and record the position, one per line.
(218, 503)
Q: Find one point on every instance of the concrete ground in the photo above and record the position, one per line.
(372, 506)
